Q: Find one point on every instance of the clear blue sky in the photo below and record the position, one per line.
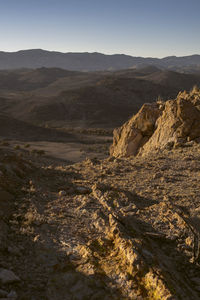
(154, 28)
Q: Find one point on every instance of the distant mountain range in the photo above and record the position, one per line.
(38, 58)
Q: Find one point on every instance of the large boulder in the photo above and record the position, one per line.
(133, 134)
(159, 124)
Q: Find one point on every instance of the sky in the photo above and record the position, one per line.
(149, 28)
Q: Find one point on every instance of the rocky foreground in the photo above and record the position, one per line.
(113, 229)
(124, 227)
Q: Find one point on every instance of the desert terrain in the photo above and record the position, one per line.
(117, 228)
(91, 213)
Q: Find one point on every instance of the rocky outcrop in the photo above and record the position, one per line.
(136, 132)
(159, 124)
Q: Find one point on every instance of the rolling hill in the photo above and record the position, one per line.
(62, 98)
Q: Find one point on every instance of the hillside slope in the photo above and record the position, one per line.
(101, 229)
(61, 98)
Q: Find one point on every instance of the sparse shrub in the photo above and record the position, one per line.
(17, 147)
(33, 151)
(27, 146)
(159, 100)
(195, 89)
(91, 149)
(40, 152)
(4, 143)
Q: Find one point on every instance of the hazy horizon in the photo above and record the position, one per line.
(66, 52)
(132, 27)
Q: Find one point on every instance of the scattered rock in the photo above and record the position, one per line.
(14, 250)
(196, 280)
(83, 190)
(7, 276)
(130, 238)
(157, 175)
(3, 294)
(62, 193)
(12, 295)
(188, 241)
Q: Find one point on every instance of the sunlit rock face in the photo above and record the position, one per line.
(135, 133)
(159, 125)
